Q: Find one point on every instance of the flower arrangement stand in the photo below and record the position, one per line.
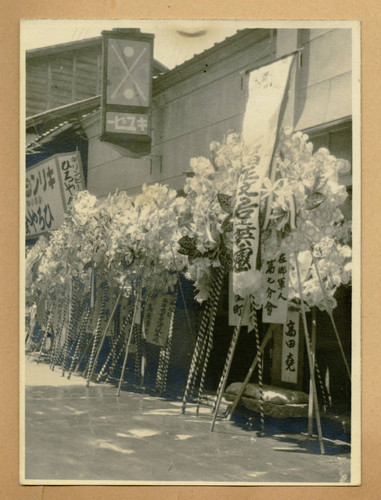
(134, 316)
(310, 357)
(205, 331)
(97, 332)
(209, 337)
(228, 363)
(250, 372)
(100, 345)
(164, 356)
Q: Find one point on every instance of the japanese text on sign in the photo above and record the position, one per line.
(71, 174)
(276, 292)
(245, 236)
(290, 348)
(236, 303)
(157, 318)
(127, 123)
(49, 188)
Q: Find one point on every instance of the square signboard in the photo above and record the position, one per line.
(127, 88)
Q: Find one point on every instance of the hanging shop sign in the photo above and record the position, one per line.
(157, 318)
(290, 348)
(276, 273)
(267, 87)
(50, 187)
(127, 89)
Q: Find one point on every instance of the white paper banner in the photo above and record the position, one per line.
(266, 91)
(276, 273)
(157, 318)
(290, 348)
(236, 303)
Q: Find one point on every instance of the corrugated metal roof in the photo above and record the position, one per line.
(73, 110)
(58, 129)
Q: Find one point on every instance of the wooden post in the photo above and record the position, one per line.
(310, 359)
(217, 287)
(128, 342)
(103, 338)
(311, 395)
(329, 312)
(229, 360)
(249, 373)
(144, 352)
(196, 353)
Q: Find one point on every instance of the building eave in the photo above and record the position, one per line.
(231, 45)
(53, 50)
(63, 113)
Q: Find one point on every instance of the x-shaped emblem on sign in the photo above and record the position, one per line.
(128, 73)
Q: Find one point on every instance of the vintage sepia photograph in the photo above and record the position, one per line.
(190, 258)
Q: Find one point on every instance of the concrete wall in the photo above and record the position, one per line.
(323, 82)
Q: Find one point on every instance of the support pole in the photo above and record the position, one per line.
(103, 339)
(329, 312)
(311, 395)
(249, 374)
(217, 286)
(196, 353)
(310, 359)
(128, 342)
(228, 364)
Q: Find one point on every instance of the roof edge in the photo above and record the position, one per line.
(77, 45)
(192, 66)
(64, 112)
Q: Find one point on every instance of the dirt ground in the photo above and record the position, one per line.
(75, 433)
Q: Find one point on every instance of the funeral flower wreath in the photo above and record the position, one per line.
(299, 214)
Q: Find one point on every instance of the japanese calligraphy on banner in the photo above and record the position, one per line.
(236, 303)
(267, 87)
(290, 348)
(276, 273)
(157, 318)
(50, 187)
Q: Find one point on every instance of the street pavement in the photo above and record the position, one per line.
(75, 434)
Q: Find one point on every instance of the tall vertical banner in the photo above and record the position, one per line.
(267, 86)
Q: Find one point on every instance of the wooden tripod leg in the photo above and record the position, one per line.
(228, 364)
(311, 394)
(329, 312)
(99, 348)
(128, 344)
(310, 357)
(196, 353)
(217, 287)
(249, 374)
